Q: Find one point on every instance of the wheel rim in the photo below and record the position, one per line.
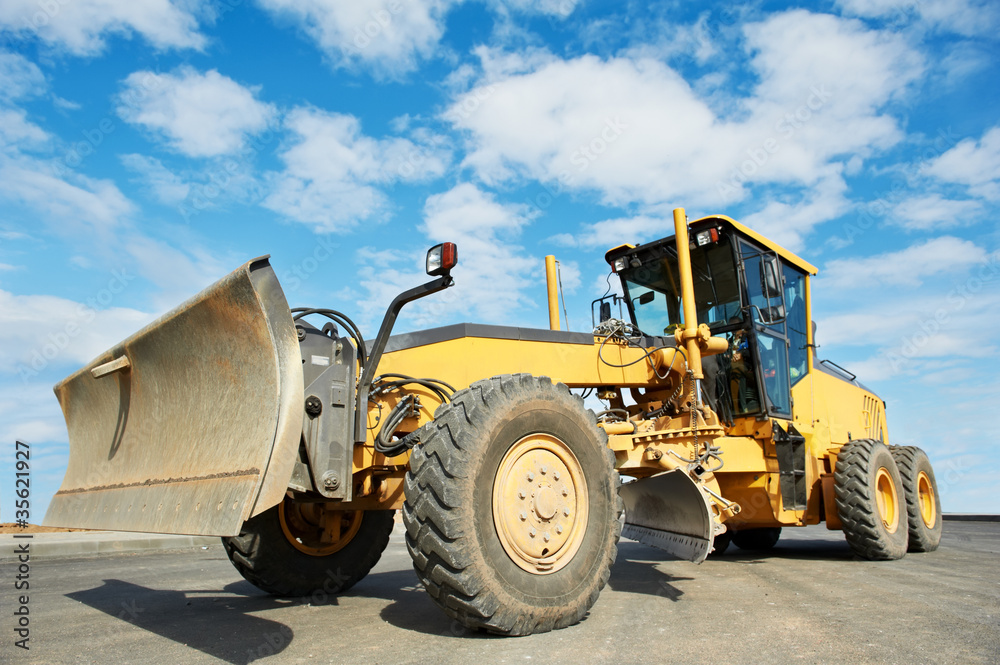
(887, 500)
(540, 506)
(925, 495)
(314, 529)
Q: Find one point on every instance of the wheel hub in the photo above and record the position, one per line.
(315, 529)
(925, 496)
(887, 500)
(540, 503)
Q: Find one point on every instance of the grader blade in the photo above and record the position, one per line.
(670, 512)
(190, 426)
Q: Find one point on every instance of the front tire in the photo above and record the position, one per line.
(870, 500)
(301, 549)
(512, 507)
(757, 540)
(923, 503)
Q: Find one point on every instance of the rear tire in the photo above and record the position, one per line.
(923, 503)
(512, 507)
(269, 555)
(757, 540)
(870, 500)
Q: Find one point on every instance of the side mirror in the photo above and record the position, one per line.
(770, 286)
(647, 297)
(605, 311)
(441, 259)
(769, 278)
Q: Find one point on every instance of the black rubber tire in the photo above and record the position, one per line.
(448, 512)
(911, 461)
(757, 540)
(855, 487)
(264, 557)
(721, 543)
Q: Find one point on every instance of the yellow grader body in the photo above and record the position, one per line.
(234, 416)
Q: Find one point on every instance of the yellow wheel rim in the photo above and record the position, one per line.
(925, 496)
(887, 499)
(540, 506)
(315, 529)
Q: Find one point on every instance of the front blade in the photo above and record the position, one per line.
(669, 511)
(192, 423)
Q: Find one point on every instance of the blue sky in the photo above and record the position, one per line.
(149, 147)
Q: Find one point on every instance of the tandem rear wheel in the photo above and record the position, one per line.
(512, 507)
(923, 504)
(871, 500)
(306, 548)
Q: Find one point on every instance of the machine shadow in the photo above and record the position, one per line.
(635, 572)
(219, 626)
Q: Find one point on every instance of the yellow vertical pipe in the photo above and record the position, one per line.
(687, 292)
(809, 325)
(550, 282)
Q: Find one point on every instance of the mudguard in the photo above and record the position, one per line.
(191, 425)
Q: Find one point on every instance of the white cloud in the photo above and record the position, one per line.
(787, 220)
(906, 267)
(165, 185)
(965, 17)
(334, 171)
(554, 8)
(975, 164)
(39, 331)
(17, 131)
(493, 278)
(178, 274)
(199, 115)
(923, 213)
(610, 233)
(19, 77)
(68, 202)
(634, 131)
(388, 37)
(81, 26)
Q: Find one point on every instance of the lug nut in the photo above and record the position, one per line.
(520, 494)
(555, 475)
(546, 537)
(565, 492)
(532, 533)
(566, 512)
(531, 476)
(544, 469)
(559, 528)
(523, 515)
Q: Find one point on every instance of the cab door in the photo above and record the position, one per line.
(762, 283)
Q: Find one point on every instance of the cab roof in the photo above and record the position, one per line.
(746, 231)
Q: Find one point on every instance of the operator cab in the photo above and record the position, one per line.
(748, 290)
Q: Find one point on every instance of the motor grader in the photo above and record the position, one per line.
(297, 440)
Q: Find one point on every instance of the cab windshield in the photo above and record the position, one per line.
(655, 292)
